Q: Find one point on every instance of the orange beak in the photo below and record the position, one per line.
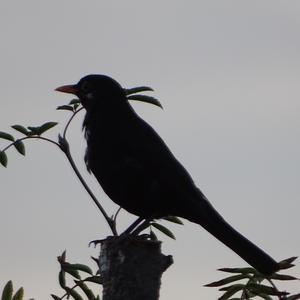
(70, 89)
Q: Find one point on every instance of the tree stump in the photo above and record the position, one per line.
(131, 268)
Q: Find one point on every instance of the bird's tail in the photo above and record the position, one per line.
(206, 216)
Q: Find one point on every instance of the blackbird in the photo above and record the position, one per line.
(138, 171)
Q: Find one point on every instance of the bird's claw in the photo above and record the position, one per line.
(96, 242)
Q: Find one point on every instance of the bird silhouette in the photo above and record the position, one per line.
(138, 171)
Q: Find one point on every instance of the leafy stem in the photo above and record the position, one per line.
(30, 137)
(74, 106)
(35, 133)
(70, 120)
(66, 149)
(64, 145)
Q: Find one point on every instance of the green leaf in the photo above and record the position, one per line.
(153, 236)
(6, 136)
(19, 294)
(293, 297)
(138, 89)
(3, 159)
(164, 230)
(74, 294)
(264, 296)
(62, 258)
(65, 107)
(146, 99)
(62, 279)
(247, 270)
(47, 126)
(19, 145)
(173, 219)
(74, 101)
(68, 269)
(88, 292)
(7, 291)
(55, 297)
(265, 289)
(231, 290)
(95, 279)
(80, 267)
(227, 280)
(21, 129)
(74, 273)
(283, 277)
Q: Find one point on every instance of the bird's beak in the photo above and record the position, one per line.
(70, 89)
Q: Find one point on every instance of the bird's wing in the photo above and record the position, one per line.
(163, 181)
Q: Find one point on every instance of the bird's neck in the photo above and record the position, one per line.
(110, 118)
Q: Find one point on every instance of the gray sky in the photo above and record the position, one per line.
(227, 73)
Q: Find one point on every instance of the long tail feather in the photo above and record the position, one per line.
(205, 215)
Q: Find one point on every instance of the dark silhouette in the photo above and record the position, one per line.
(138, 172)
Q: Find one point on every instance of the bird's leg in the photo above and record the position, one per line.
(133, 226)
(142, 226)
(134, 229)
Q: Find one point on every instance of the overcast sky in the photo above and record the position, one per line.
(227, 74)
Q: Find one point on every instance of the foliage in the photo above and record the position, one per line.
(253, 286)
(249, 283)
(80, 286)
(246, 281)
(8, 292)
(37, 132)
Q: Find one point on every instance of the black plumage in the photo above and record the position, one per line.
(138, 172)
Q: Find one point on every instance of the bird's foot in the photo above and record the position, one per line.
(96, 242)
(133, 226)
(137, 226)
(133, 230)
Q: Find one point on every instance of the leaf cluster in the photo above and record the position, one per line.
(246, 281)
(28, 132)
(80, 289)
(72, 106)
(163, 229)
(133, 94)
(249, 283)
(8, 292)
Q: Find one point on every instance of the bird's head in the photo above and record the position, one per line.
(96, 90)
(93, 89)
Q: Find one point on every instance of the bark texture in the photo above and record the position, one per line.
(131, 268)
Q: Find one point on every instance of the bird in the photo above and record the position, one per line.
(137, 170)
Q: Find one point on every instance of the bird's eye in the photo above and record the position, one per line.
(85, 87)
